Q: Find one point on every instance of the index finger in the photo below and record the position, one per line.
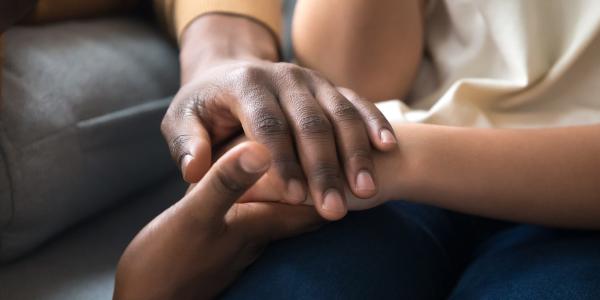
(226, 181)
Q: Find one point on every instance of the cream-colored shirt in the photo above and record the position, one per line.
(508, 63)
(492, 63)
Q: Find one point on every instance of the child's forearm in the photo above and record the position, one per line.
(545, 176)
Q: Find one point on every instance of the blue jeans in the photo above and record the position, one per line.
(408, 251)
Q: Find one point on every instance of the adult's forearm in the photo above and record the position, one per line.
(543, 176)
(213, 38)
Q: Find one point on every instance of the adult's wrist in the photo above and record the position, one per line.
(216, 38)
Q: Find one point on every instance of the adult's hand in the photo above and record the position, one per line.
(315, 131)
(387, 164)
(194, 249)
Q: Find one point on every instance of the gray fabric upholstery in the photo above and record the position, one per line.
(80, 264)
(79, 123)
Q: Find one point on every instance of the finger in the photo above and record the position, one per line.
(274, 221)
(316, 148)
(263, 191)
(379, 129)
(226, 181)
(263, 121)
(189, 142)
(353, 142)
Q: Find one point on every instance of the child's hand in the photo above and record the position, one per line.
(268, 188)
(320, 137)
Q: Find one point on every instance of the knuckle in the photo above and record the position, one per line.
(344, 111)
(196, 103)
(326, 174)
(359, 156)
(268, 125)
(290, 74)
(169, 119)
(226, 184)
(314, 124)
(348, 93)
(248, 73)
(288, 67)
(185, 109)
(318, 78)
(295, 72)
(177, 146)
(375, 116)
(301, 98)
(315, 74)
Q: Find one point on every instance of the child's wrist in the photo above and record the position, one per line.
(401, 171)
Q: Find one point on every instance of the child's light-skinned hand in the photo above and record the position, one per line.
(386, 166)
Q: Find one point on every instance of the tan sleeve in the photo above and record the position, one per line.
(178, 14)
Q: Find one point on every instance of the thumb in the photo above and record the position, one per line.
(189, 144)
(226, 181)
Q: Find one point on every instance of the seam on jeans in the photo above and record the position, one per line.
(428, 232)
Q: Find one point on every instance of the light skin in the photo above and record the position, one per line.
(197, 247)
(168, 258)
(372, 47)
(194, 249)
(542, 176)
(231, 81)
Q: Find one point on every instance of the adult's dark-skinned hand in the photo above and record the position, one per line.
(315, 132)
(197, 247)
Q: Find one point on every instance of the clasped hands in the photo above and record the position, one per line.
(321, 137)
(305, 133)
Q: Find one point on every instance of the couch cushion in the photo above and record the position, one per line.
(80, 264)
(79, 123)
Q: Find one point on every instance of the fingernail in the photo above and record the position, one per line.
(252, 161)
(333, 201)
(364, 181)
(295, 191)
(185, 161)
(387, 137)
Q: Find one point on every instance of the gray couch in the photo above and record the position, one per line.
(82, 163)
(83, 166)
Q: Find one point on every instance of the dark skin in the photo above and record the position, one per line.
(314, 131)
(198, 246)
(231, 81)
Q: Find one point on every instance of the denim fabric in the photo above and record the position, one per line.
(407, 251)
(530, 262)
